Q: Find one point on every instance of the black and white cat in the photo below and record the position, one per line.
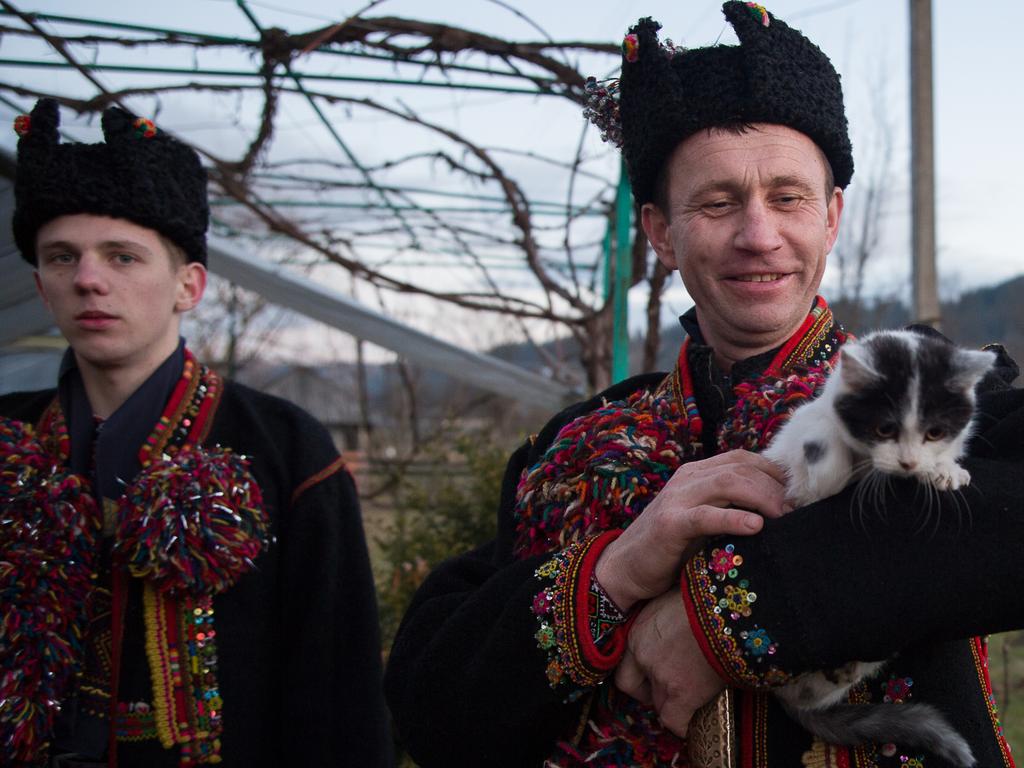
(898, 403)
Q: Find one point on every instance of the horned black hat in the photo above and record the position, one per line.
(138, 173)
(667, 93)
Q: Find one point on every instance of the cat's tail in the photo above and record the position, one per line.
(913, 724)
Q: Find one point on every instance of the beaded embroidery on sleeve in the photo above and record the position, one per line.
(721, 602)
(584, 641)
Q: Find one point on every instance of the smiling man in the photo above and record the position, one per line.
(601, 627)
(184, 574)
(748, 221)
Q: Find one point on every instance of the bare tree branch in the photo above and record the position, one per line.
(323, 208)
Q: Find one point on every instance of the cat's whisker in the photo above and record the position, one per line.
(923, 510)
(857, 502)
(866, 491)
(882, 482)
(963, 509)
(933, 505)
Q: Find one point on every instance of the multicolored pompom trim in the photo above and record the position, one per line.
(49, 531)
(764, 406)
(192, 522)
(601, 98)
(601, 471)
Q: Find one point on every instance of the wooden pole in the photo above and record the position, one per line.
(922, 166)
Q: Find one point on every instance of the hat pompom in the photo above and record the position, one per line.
(644, 36)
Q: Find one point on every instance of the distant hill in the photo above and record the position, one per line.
(989, 314)
(977, 317)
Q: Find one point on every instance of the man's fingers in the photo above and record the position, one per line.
(707, 520)
(631, 679)
(675, 715)
(740, 486)
(738, 483)
(767, 466)
(743, 458)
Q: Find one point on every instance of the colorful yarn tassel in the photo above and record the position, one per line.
(601, 471)
(192, 523)
(49, 526)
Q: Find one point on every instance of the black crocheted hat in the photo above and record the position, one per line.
(139, 173)
(667, 93)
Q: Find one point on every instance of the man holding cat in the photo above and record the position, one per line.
(184, 575)
(738, 157)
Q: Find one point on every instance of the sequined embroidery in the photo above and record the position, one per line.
(725, 609)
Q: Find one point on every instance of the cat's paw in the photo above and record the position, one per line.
(950, 478)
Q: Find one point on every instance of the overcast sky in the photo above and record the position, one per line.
(978, 99)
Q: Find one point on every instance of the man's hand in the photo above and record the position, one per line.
(664, 667)
(703, 498)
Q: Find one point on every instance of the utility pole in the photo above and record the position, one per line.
(922, 166)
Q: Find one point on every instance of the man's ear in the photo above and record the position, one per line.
(833, 214)
(191, 286)
(655, 224)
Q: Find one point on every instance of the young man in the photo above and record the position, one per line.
(184, 573)
(600, 620)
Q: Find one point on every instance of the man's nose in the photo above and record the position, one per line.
(89, 275)
(759, 232)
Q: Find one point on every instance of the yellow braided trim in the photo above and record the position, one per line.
(820, 755)
(156, 651)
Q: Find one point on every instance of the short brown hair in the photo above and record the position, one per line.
(176, 252)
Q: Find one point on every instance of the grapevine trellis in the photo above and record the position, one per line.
(525, 251)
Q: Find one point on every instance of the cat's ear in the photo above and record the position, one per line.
(855, 365)
(970, 366)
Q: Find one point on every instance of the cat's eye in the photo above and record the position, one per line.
(935, 433)
(886, 431)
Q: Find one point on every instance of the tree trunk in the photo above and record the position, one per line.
(652, 341)
(595, 339)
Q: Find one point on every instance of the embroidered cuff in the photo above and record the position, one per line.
(571, 614)
(720, 605)
(603, 615)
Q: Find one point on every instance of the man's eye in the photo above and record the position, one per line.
(60, 258)
(717, 205)
(125, 258)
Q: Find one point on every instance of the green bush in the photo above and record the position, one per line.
(449, 510)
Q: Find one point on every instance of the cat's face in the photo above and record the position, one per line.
(908, 400)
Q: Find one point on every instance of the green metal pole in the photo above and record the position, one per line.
(623, 272)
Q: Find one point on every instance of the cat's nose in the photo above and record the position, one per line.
(908, 465)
